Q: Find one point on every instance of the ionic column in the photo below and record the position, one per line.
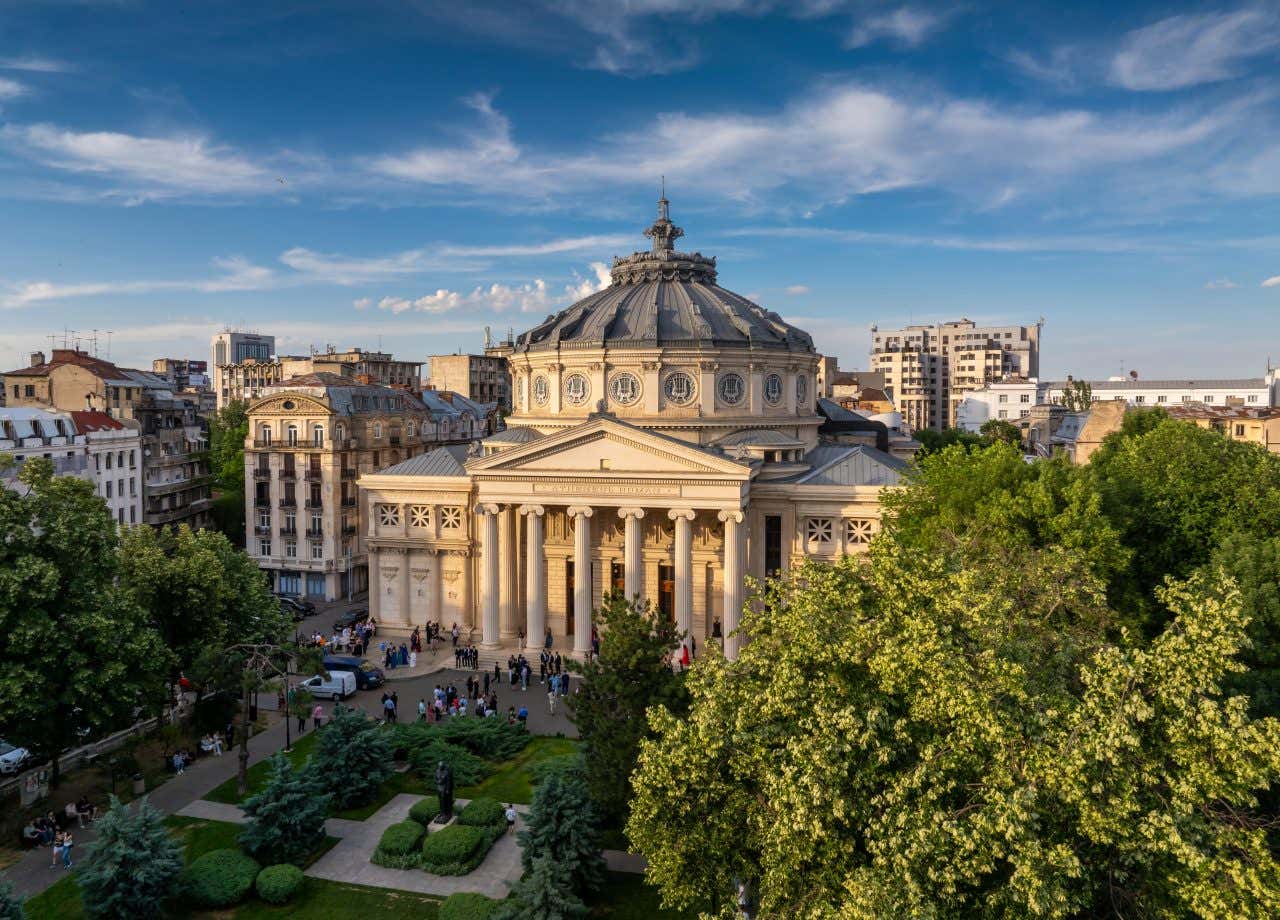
(581, 578)
(536, 574)
(506, 571)
(404, 585)
(489, 576)
(375, 583)
(632, 556)
(435, 587)
(732, 580)
(684, 569)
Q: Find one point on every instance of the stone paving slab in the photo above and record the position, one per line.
(213, 811)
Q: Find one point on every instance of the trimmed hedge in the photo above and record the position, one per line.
(467, 905)
(220, 878)
(398, 848)
(483, 812)
(455, 850)
(425, 810)
(278, 884)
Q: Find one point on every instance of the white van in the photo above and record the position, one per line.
(337, 686)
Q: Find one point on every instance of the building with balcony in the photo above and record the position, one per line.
(251, 378)
(310, 438)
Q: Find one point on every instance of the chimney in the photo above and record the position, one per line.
(447, 396)
(37, 358)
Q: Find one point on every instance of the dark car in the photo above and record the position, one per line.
(292, 609)
(350, 618)
(367, 674)
(299, 608)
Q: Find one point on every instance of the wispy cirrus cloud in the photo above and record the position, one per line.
(1188, 50)
(11, 89)
(906, 25)
(1220, 284)
(1273, 281)
(35, 64)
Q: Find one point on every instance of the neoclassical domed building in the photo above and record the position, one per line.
(664, 440)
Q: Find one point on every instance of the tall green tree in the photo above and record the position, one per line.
(10, 904)
(545, 892)
(998, 429)
(931, 440)
(132, 867)
(562, 824)
(286, 819)
(907, 738)
(202, 592)
(352, 758)
(1077, 395)
(227, 432)
(631, 674)
(76, 649)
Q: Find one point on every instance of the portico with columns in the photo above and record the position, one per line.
(664, 443)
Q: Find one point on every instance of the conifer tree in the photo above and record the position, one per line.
(352, 759)
(10, 904)
(545, 893)
(286, 819)
(562, 821)
(131, 869)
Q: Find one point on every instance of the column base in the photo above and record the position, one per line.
(489, 646)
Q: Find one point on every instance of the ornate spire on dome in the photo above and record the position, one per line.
(663, 232)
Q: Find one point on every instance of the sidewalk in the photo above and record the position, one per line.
(32, 875)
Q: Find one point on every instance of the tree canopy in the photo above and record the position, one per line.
(227, 432)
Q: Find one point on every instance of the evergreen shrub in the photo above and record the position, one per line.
(220, 878)
(398, 848)
(278, 884)
(455, 850)
(482, 812)
(468, 769)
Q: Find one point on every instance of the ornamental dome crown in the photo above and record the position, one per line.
(664, 298)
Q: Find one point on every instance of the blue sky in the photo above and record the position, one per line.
(404, 173)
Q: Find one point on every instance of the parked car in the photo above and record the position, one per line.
(337, 686)
(350, 618)
(12, 758)
(296, 614)
(299, 608)
(368, 675)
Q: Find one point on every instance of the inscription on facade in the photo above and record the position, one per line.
(606, 489)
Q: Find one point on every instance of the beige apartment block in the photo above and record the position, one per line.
(483, 378)
(929, 368)
(664, 441)
(250, 379)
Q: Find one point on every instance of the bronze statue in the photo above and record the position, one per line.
(444, 789)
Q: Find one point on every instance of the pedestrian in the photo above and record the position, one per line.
(179, 764)
(546, 642)
(301, 713)
(497, 673)
(317, 716)
(564, 684)
(511, 818)
(422, 709)
(57, 850)
(684, 658)
(551, 696)
(388, 710)
(67, 843)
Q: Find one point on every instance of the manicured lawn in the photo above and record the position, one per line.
(512, 782)
(258, 773)
(60, 901)
(627, 897)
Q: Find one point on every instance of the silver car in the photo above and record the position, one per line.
(12, 758)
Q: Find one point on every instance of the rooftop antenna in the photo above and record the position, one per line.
(108, 344)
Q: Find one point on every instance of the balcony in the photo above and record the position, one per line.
(349, 502)
(315, 533)
(348, 530)
(313, 503)
(262, 501)
(312, 475)
(264, 443)
(261, 472)
(261, 531)
(349, 472)
(288, 531)
(288, 473)
(288, 503)
(395, 440)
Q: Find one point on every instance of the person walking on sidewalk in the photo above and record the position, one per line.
(317, 716)
(67, 843)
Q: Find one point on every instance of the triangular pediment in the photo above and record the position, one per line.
(289, 404)
(606, 445)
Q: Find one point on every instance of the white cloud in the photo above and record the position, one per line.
(533, 297)
(1220, 284)
(157, 165)
(11, 89)
(586, 286)
(797, 289)
(362, 303)
(846, 140)
(1189, 50)
(238, 274)
(1273, 281)
(35, 64)
(904, 26)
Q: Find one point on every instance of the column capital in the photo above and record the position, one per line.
(488, 508)
(677, 514)
(730, 514)
(536, 510)
(636, 513)
(584, 510)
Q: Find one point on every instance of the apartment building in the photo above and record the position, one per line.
(175, 469)
(310, 437)
(251, 378)
(483, 378)
(929, 368)
(230, 348)
(1013, 399)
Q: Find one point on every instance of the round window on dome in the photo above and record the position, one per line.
(731, 389)
(679, 388)
(624, 388)
(772, 389)
(576, 389)
(541, 391)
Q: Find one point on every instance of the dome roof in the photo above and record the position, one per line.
(664, 298)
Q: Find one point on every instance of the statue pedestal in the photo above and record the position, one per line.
(437, 824)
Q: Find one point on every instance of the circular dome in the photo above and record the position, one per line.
(663, 298)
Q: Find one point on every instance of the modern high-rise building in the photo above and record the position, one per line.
(928, 369)
(234, 348)
(251, 378)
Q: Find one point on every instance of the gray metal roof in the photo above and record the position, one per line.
(758, 437)
(858, 465)
(1224, 383)
(514, 436)
(664, 298)
(443, 461)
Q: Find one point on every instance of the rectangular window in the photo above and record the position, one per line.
(1162, 398)
(1004, 413)
(290, 549)
(317, 550)
(1025, 397)
(108, 461)
(31, 390)
(772, 545)
(1003, 398)
(108, 488)
(1139, 399)
(264, 547)
(1208, 399)
(1239, 431)
(133, 515)
(1253, 398)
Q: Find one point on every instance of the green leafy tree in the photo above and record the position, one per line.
(630, 675)
(1077, 395)
(562, 823)
(931, 440)
(352, 758)
(286, 819)
(132, 867)
(10, 904)
(544, 893)
(76, 650)
(227, 432)
(913, 737)
(998, 429)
